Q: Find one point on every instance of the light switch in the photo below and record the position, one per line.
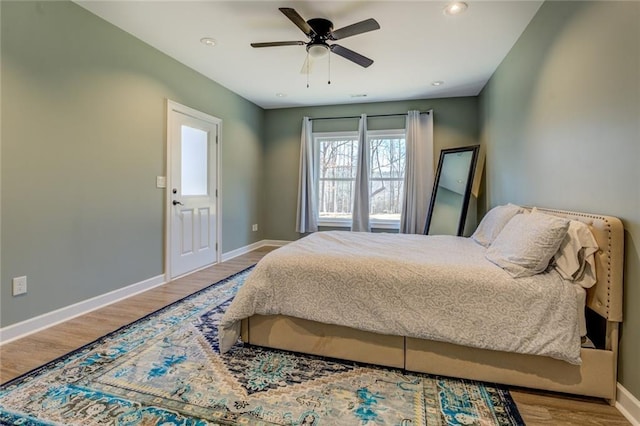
(161, 181)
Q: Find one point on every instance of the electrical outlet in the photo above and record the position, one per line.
(19, 285)
(254, 227)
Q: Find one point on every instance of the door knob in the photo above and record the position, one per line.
(175, 203)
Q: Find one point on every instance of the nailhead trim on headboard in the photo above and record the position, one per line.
(608, 228)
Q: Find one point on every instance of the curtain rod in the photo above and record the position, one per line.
(368, 116)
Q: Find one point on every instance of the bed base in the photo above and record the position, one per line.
(596, 376)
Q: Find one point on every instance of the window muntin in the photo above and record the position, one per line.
(336, 164)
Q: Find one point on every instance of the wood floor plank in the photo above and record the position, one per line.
(25, 354)
(546, 408)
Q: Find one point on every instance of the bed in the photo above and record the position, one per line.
(545, 356)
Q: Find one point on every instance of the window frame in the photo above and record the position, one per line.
(371, 134)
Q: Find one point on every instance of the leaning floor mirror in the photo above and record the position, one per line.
(451, 191)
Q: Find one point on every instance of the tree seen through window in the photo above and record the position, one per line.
(337, 159)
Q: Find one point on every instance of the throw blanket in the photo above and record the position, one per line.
(430, 287)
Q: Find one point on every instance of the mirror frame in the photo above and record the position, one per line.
(467, 192)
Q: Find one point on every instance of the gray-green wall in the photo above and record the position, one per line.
(561, 123)
(455, 124)
(83, 139)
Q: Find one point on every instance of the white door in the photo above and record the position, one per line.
(192, 189)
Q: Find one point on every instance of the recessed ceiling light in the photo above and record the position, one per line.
(437, 83)
(208, 41)
(359, 95)
(455, 8)
(281, 95)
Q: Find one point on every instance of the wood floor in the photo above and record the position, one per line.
(23, 355)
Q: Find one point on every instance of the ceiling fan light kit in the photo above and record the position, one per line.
(320, 31)
(317, 50)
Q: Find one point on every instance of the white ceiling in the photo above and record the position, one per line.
(416, 45)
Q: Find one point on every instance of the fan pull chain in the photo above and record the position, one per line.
(307, 69)
(329, 55)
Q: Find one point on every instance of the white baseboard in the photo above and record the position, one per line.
(275, 243)
(628, 405)
(32, 325)
(246, 249)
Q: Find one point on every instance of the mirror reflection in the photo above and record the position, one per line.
(451, 191)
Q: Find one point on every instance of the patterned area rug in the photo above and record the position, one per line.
(165, 369)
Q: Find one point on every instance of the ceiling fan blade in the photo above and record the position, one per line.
(355, 29)
(278, 43)
(298, 20)
(349, 54)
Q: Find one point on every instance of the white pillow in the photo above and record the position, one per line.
(575, 259)
(493, 222)
(527, 243)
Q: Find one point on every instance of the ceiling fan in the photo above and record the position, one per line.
(320, 31)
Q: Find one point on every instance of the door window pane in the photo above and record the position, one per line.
(195, 157)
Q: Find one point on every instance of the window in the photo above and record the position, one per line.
(195, 170)
(337, 155)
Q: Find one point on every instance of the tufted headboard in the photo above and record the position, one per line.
(605, 297)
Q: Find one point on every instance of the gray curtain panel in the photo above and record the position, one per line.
(307, 215)
(360, 214)
(419, 174)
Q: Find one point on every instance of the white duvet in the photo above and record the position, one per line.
(431, 287)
